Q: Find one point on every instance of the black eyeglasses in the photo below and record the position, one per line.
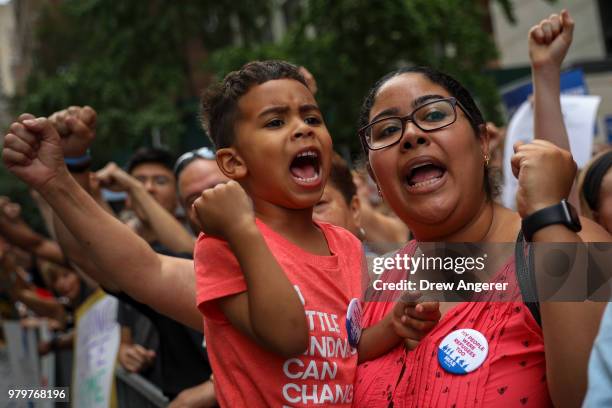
(186, 158)
(431, 116)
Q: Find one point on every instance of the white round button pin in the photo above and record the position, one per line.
(353, 321)
(463, 351)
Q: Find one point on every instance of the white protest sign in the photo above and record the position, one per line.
(97, 343)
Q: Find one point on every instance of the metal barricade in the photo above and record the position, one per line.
(133, 390)
(24, 367)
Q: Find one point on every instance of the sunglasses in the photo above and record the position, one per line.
(205, 153)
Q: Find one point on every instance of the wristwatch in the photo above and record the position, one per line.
(562, 213)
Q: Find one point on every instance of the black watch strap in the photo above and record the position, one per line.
(562, 213)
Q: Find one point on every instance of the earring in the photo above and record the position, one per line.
(362, 233)
(486, 159)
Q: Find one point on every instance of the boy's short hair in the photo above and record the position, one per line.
(341, 178)
(220, 101)
(150, 155)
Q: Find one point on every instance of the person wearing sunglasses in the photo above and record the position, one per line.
(196, 171)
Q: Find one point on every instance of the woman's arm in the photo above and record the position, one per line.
(569, 328)
(549, 42)
(546, 173)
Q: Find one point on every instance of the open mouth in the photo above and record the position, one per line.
(424, 174)
(306, 167)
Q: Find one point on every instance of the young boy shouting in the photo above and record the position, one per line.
(273, 285)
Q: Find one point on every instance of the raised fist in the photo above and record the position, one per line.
(77, 129)
(545, 175)
(550, 39)
(224, 210)
(115, 178)
(33, 151)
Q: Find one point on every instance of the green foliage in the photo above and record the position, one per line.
(130, 61)
(349, 44)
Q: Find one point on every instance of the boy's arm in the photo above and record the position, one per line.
(376, 340)
(549, 42)
(168, 230)
(270, 311)
(407, 321)
(34, 153)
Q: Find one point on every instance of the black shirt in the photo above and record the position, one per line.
(184, 362)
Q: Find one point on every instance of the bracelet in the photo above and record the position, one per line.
(78, 161)
(78, 164)
(80, 168)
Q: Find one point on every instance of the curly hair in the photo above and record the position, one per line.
(220, 101)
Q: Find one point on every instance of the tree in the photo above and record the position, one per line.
(349, 44)
(138, 63)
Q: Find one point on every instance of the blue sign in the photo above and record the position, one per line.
(572, 83)
(608, 122)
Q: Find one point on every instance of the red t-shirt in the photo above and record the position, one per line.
(248, 375)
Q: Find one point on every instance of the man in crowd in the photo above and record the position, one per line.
(151, 188)
(195, 172)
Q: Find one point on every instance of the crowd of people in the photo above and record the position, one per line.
(241, 268)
